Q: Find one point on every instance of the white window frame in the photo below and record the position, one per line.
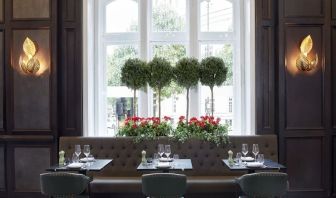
(94, 100)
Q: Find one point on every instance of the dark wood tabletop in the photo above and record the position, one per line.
(268, 165)
(176, 165)
(96, 165)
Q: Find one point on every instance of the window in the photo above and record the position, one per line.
(171, 29)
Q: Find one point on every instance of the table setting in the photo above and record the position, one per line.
(81, 165)
(162, 161)
(242, 162)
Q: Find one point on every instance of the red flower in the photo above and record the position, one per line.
(134, 126)
(166, 118)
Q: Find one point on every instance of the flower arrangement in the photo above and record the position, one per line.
(206, 128)
(146, 128)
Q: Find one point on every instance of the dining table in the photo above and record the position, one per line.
(268, 165)
(96, 165)
(174, 165)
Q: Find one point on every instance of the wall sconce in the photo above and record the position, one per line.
(28, 62)
(304, 63)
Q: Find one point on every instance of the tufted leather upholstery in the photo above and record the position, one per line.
(126, 154)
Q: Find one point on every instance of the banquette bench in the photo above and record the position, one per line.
(209, 177)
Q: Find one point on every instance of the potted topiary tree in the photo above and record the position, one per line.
(212, 73)
(187, 76)
(160, 74)
(134, 75)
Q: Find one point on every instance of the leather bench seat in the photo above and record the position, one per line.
(211, 184)
(115, 185)
(196, 184)
(208, 177)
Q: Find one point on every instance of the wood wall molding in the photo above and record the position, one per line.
(31, 9)
(303, 8)
(333, 9)
(265, 66)
(71, 72)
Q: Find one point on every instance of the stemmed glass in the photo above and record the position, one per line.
(77, 150)
(86, 151)
(161, 150)
(245, 149)
(255, 151)
(167, 150)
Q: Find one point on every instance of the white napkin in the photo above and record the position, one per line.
(163, 165)
(75, 165)
(254, 164)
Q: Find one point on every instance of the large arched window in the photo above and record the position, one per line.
(171, 29)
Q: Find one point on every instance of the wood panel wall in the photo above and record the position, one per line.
(35, 111)
(71, 76)
(300, 104)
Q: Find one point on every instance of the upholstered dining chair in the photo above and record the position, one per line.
(264, 184)
(64, 185)
(164, 185)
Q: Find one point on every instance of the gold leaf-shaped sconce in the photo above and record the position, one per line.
(303, 62)
(29, 63)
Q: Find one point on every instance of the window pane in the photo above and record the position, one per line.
(216, 16)
(122, 16)
(223, 96)
(119, 98)
(169, 15)
(173, 97)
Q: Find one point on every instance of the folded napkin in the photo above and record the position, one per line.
(254, 164)
(163, 165)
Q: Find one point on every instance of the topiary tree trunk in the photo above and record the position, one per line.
(187, 113)
(212, 101)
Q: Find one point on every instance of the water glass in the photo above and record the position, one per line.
(161, 150)
(155, 158)
(86, 150)
(176, 156)
(77, 150)
(167, 151)
(238, 159)
(255, 150)
(261, 158)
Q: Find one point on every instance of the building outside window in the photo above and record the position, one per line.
(171, 29)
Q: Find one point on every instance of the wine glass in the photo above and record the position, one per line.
(261, 158)
(86, 151)
(161, 150)
(255, 151)
(244, 149)
(167, 150)
(78, 150)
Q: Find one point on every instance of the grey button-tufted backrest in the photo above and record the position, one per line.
(206, 157)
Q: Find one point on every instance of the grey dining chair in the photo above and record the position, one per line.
(64, 185)
(264, 184)
(164, 185)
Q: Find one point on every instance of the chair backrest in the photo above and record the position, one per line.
(63, 184)
(164, 185)
(265, 184)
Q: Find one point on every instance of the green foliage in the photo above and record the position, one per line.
(134, 73)
(213, 71)
(160, 73)
(116, 61)
(166, 19)
(172, 53)
(187, 72)
(227, 55)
